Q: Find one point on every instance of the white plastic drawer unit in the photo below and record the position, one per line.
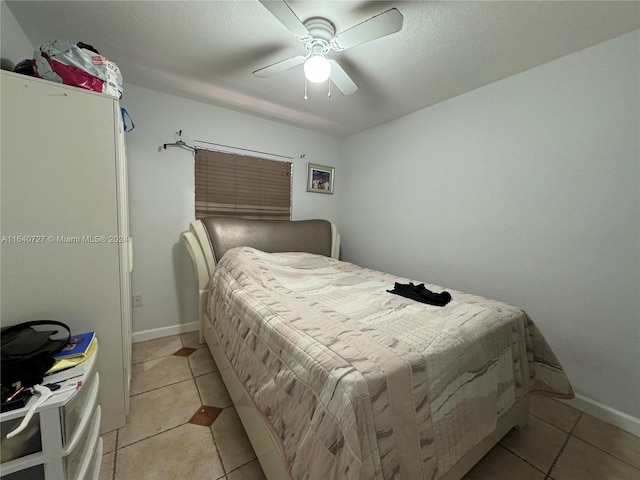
(62, 440)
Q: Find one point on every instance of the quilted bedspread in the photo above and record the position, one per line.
(358, 383)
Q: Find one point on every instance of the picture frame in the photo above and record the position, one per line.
(320, 178)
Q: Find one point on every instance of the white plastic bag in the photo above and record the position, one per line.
(65, 62)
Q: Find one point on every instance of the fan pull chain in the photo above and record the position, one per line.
(305, 88)
(329, 94)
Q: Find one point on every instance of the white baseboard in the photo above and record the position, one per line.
(606, 414)
(163, 332)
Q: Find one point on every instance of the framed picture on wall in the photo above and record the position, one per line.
(319, 178)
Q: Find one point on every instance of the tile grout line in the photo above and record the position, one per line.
(245, 464)
(561, 451)
(158, 388)
(153, 435)
(608, 453)
(570, 432)
(162, 386)
(115, 456)
(193, 376)
(213, 438)
(174, 383)
(518, 456)
(224, 468)
(118, 447)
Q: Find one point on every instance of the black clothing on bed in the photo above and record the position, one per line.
(421, 294)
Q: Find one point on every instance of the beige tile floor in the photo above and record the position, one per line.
(173, 377)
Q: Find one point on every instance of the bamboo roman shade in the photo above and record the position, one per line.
(234, 185)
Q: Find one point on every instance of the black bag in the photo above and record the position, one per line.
(27, 353)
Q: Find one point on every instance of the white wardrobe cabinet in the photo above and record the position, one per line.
(65, 251)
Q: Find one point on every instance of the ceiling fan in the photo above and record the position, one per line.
(319, 37)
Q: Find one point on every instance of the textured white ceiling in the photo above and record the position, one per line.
(207, 50)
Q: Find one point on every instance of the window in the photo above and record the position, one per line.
(234, 185)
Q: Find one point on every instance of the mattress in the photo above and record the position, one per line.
(358, 383)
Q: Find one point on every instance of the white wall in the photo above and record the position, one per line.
(527, 191)
(15, 46)
(161, 190)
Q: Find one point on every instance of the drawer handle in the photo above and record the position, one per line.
(44, 393)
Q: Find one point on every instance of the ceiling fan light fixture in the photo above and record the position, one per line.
(317, 68)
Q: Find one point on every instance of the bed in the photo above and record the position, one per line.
(334, 377)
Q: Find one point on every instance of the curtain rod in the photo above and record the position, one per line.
(243, 149)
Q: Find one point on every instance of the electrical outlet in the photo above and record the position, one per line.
(137, 300)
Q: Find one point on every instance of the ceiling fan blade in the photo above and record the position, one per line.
(341, 80)
(383, 24)
(283, 12)
(280, 66)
